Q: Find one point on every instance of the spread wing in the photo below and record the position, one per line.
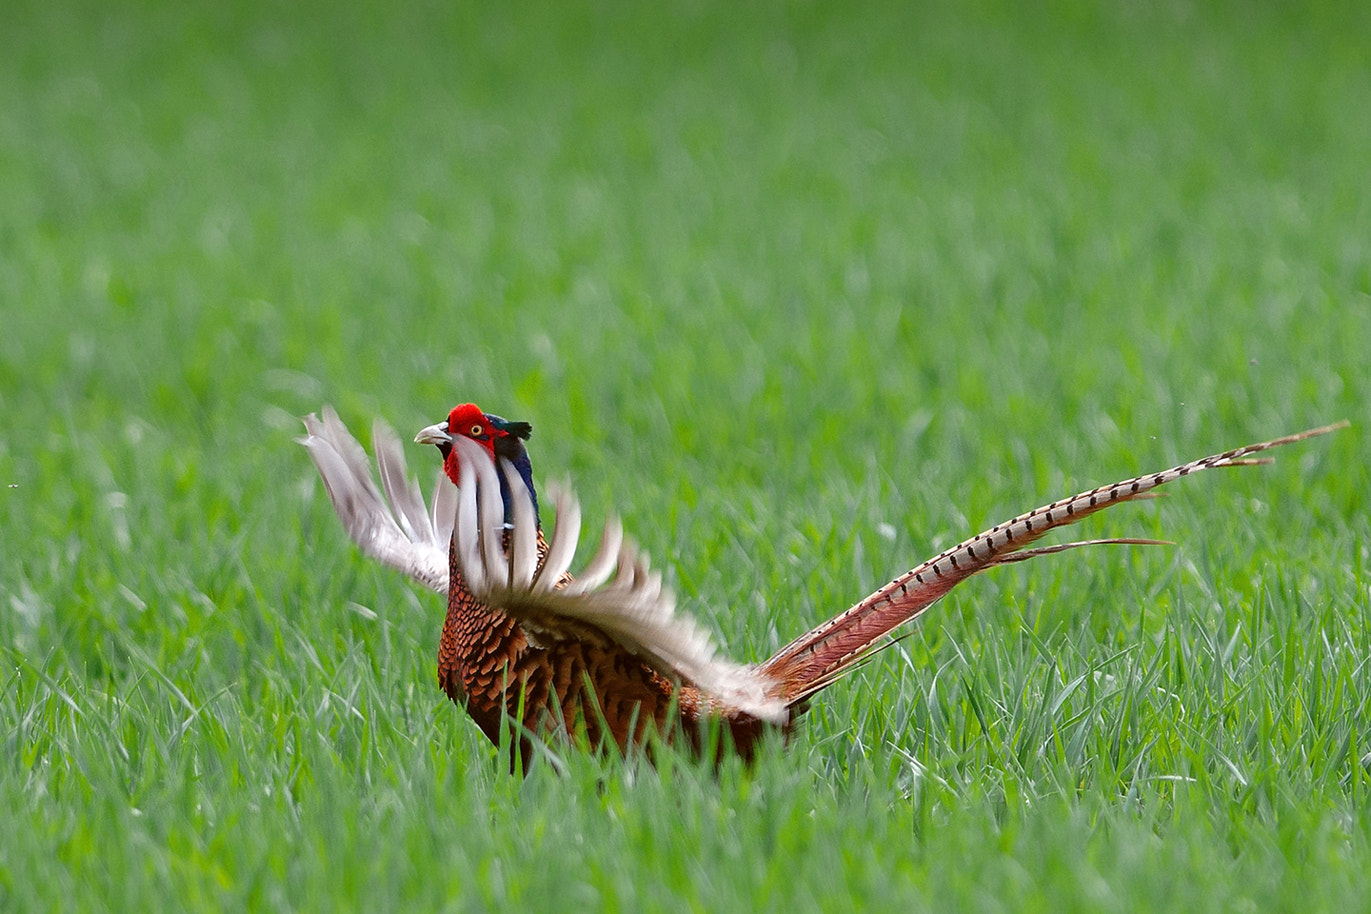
(395, 528)
(616, 596)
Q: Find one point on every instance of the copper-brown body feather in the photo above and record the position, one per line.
(591, 687)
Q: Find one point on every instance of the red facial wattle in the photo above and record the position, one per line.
(502, 439)
(469, 421)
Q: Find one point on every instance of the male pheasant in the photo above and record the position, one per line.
(531, 652)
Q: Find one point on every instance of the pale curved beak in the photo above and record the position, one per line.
(434, 434)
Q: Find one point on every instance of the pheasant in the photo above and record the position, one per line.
(532, 652)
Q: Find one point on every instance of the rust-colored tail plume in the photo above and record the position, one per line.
(820, 657)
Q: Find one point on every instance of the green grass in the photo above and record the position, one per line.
(764, 279)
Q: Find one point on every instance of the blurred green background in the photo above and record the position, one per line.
(806, 292)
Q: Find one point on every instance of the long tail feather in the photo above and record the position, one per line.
(823, 655)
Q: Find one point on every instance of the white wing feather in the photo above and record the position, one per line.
(634, 609)
(397, 529)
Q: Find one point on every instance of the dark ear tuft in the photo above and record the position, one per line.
(521, 430)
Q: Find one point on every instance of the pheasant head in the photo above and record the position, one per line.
(498, 436)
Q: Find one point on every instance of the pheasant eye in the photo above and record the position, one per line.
(477, 431)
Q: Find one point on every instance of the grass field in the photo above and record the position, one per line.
(806, 292)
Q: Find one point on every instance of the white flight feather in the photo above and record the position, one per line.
(395, 529)
(634, 610)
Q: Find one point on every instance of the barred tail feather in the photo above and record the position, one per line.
(820, 657)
